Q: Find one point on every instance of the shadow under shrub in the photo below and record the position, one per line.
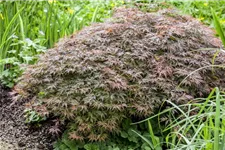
(124, 67)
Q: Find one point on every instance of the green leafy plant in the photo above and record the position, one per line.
(12, 71)
(27, 53)
(32, 116)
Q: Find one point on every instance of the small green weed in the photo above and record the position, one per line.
(32, 116)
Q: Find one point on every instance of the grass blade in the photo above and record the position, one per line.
(218, 27)
(145, 139)
(217, 120)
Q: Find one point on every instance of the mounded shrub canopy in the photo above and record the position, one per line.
(124, 67)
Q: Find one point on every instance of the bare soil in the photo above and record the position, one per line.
(14, 133)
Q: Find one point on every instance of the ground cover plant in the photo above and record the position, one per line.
(101, 75)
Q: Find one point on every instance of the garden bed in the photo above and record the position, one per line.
(14, 133)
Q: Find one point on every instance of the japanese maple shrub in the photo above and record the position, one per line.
(124, 67)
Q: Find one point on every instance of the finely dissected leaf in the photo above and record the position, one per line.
(124, 67)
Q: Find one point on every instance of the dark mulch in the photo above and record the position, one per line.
(13, 129)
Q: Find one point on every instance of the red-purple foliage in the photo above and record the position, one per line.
(124, 67)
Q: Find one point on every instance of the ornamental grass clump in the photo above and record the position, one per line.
(124, 67)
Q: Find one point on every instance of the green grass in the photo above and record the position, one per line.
(198, 125)
(218, 26)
